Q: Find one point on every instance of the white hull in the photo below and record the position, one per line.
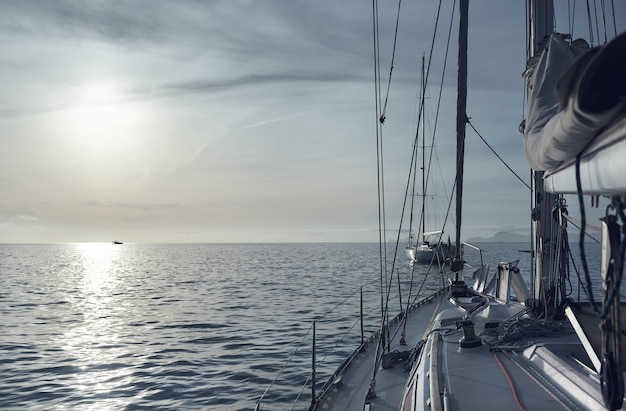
(440, 253)
(421, 254)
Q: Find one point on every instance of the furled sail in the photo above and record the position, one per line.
(576, 93)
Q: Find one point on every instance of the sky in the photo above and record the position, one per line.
(245, 121)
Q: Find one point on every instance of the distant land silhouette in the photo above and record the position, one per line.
(501, 237)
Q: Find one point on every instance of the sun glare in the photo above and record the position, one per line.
(98, 93)
(101, 123)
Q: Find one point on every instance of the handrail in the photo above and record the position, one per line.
(477, 249)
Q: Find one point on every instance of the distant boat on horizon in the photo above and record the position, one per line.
(117, 242)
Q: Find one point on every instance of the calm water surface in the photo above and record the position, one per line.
(190, 326)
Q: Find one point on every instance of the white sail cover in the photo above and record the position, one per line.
(576, 93)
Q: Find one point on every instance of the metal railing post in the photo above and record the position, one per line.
(362, 329)
(313, 399)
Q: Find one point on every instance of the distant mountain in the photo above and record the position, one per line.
(501, 238)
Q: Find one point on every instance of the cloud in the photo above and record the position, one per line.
(17, 215)
(23, 217)
(185, 88)
(266, 80)
(115, 20)
(131, 206)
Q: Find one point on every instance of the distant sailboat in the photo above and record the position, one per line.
(424, 250)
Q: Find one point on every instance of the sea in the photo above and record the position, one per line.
(101, 326)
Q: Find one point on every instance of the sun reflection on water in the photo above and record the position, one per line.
(96, 340)
(97, 262)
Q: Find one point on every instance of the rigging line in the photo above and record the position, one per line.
(432, 44)
(340, 303)
(563, 267)
(613, 13)
(573, 18)
(388, 285)
(510, 381)
(379, 159)
(590, 24)
(581, 238)
(603, 10)
(393, 57)
(570, 18)
(576, 224)
(424, 278)
(408, 299)
(410, 179)
(385, 306)
(380, 176)
(524, 85)
(527, 28)
(445, 220)
(388, 279)
(332, 350)
(430, 58)
(381, 204)
(619, 270)
(595, 15)
(284, 366)
(496, 154)
(580, 281)
(565, 263)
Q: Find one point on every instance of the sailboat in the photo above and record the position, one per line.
(493, 342)
(424, 251)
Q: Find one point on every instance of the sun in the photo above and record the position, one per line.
(101, 121)
(98, 94)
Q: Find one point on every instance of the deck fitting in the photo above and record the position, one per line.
(469, 340)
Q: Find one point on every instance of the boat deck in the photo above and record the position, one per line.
(508, 369)
(350, 393)
(510, 377)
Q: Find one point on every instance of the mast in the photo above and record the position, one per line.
(540, 27)
(423, 110)
(461, 120)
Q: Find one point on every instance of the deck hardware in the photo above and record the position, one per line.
(469, 340)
